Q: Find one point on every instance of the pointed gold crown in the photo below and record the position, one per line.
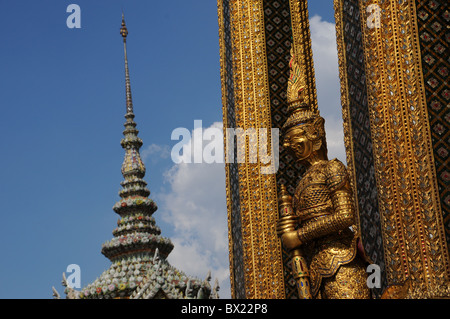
(298, 102)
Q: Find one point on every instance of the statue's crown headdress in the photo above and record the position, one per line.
(298, 102)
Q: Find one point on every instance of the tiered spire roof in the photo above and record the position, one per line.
(137, 251)
(136, 231)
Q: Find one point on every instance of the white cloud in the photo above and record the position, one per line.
(196, 208)
(323, 38)
(202, 145)
(161, 151)
(335, 139)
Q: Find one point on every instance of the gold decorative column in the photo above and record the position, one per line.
(260, 271)
(255, 43)
(387, 99)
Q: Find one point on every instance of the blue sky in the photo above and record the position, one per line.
(63, 103)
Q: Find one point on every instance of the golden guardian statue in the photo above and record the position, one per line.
(318, 225)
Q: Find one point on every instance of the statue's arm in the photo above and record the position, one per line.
(338, 184)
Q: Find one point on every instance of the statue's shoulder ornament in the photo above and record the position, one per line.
(336, 175)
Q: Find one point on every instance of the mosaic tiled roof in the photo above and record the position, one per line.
(145, 277)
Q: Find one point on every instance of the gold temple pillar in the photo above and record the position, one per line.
(255, 43)
(393, 58)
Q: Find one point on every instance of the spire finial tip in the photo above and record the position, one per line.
(123, 29)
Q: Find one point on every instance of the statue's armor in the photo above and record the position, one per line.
(324, 204)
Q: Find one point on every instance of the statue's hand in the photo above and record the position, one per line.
(286, 224)
(290, 240)
(286, 230)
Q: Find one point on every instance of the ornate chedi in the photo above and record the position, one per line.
(138, 252)
(321, 219)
